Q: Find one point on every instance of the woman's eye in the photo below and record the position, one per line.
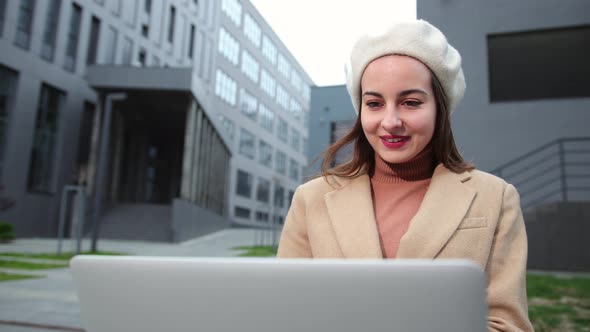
(373, 104)
(412, 103)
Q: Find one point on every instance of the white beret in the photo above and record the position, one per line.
(418, 39)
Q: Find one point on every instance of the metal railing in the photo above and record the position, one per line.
(556, 171)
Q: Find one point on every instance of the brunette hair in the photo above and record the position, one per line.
(363, 157)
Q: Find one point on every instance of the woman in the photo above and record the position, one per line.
(407, 192)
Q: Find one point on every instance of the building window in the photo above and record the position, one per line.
(241, 212)
(248, 104)
(279, 196)
(115, 7)
(171, 24)
(252, 30)
(263, 190)
(282, 97)
(283, 130)
(24, 23)
(147, 6)
(93, 41)
(225, 87)
(233, 10)
(50, 30)
(250, 66)
(281, 162)
(247, 147)
(267, 83)
(191, 42)
(142, 57)
(290, 197)
(304, 145)
(8, 79)
(244, 184)
(295, 139)
(295, 109)
(73, 34)
(228, 46)
(539, 64)
(269, 50)
(45, 139)
(293, 170)
(229, 127)
(264, 153)
(2, 14)
(145, 30)
(296, 80)
(126, 55)
(284, 66)
(111, 44)
(267, 118)
(261, 216)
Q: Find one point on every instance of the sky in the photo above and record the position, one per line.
(320, 33)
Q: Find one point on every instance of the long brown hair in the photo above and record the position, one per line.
(363, 157)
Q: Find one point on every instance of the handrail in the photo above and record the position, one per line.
(548, 173)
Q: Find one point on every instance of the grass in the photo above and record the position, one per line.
(66, 256)
(256, 251)
(14, 264)
(13, 276)
(559, 304)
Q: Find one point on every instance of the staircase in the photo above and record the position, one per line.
(144, 222)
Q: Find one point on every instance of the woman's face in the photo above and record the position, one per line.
(398, 108)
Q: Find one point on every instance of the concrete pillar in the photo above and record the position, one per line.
(119, 133)
(188, 151)
(94, 145)
(195, 165)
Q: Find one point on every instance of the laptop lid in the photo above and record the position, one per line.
(262, 295)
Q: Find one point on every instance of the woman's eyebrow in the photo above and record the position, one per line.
(411, 91)
(372, 93)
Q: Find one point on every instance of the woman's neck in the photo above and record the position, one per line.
(419, 168)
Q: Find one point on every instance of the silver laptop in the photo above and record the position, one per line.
(261, 295)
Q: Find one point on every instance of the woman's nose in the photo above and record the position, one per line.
(391, 119)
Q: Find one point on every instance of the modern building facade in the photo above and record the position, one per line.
(209, 126)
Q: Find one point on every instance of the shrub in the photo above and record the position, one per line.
(6, 232)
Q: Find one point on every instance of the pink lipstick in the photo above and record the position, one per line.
(394, 141)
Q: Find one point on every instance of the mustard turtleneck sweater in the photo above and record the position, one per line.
(398, 190)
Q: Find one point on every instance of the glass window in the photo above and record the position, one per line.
(142, 57)
(284, 66)
(264, 153)
(305, 147)
(93, 41)
(296, 110)
(247, 147)
(295, 139)
(8, 79)
(282, 97)
(233, 10)
(191, 42)
(290, 197)
(279, 196)
(267, 83)
(248, 104)
(147, 6)
(115, 6)
(228, 46)
(281, 162)
(252, 30)
(43, 150)
(126, 55)
(263, 190)
(306, 91)
(225, 87)
(229, 126)
(50, 30)
(241, 212)
(2, 14)
(283, 130)
(262, 216)
(294, 170)
(111, 44)
(171, 24)
(24, 23)
(244, 184)
(250, 66)
(269, 50)
(296, 80)
(267, 118)
(73, 34)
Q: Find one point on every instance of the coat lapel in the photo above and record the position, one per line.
(445, 204)
(351, 212)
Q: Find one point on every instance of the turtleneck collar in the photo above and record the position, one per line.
(419, 168)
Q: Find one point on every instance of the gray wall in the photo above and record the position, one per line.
(190, 221)
(490, 134)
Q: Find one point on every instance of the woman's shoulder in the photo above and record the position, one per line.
(324, 184)
(488, 181)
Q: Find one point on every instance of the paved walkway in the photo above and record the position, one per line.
(50, 303)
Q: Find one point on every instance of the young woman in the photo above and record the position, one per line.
(407, 192)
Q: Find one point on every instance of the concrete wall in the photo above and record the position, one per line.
(490, 134)
(559, 237)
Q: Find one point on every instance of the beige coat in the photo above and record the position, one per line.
(473, 215)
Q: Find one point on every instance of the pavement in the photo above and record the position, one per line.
(50, 304)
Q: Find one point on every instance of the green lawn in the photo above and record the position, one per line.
(256, 251)
(14, 264)
(13, 276)
(66, 256)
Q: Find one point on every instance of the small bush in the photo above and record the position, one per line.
(6, 232)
